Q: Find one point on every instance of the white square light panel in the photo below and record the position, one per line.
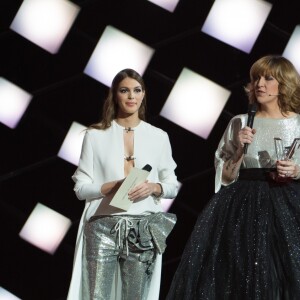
(114, 52)
(45, 23)
(13, 103)
(237, 22)
(195, 103)
(71, 147)
(169, 5)
(6, 295)
(45, 228)
(292, 49)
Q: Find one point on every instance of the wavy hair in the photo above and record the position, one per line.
(287, 76)
(110, 106)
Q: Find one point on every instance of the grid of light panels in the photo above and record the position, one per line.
(194, 103)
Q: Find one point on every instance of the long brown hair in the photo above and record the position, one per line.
(110, 106)
(287, 76)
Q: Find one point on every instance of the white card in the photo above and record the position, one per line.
(135, 177)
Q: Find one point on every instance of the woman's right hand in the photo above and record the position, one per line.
(110, 187)
(245, 136)
(232, 166)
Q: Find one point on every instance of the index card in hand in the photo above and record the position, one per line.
(135, 177)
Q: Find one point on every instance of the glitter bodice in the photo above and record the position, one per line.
(261, 152)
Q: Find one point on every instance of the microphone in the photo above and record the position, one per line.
(147, 168)
(251, 114)
(273, 95)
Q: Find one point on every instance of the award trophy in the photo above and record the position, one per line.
(283, 153)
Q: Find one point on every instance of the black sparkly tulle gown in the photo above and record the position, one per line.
(245, 244)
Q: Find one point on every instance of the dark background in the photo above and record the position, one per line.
(30, 170)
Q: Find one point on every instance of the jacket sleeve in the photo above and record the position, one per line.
(85, 188)
(166, 170)
(227, 147)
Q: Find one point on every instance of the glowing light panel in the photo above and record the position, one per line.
(6, 295)
(169, 5)
(71, 147)
(195, 103)
(116, 51)
(292, 48)
(237, 23)
(13, 103)
(45, 228)
(45, 23)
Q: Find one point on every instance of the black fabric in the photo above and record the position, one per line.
(256, 174)
(245, 245)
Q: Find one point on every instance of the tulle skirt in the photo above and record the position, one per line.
(245, 245)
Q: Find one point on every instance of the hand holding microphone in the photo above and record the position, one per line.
(251, 114)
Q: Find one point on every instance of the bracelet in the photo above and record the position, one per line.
(157, 198)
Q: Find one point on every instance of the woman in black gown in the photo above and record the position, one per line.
(246, 242)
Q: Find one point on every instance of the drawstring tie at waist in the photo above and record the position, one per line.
(117, 228)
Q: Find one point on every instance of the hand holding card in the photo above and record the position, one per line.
(135, 177)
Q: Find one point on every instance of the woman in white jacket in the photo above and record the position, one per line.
(118, 253)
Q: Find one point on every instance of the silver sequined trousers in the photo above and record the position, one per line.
(130, 242)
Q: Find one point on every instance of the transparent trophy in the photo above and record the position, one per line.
(284, 153)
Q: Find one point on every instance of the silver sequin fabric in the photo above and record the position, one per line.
(246, 241)
(261, 152)
(126, 244)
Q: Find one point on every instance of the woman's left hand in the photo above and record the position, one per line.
(287, 168)
(142, 191)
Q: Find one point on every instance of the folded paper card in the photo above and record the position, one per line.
(135, 177)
